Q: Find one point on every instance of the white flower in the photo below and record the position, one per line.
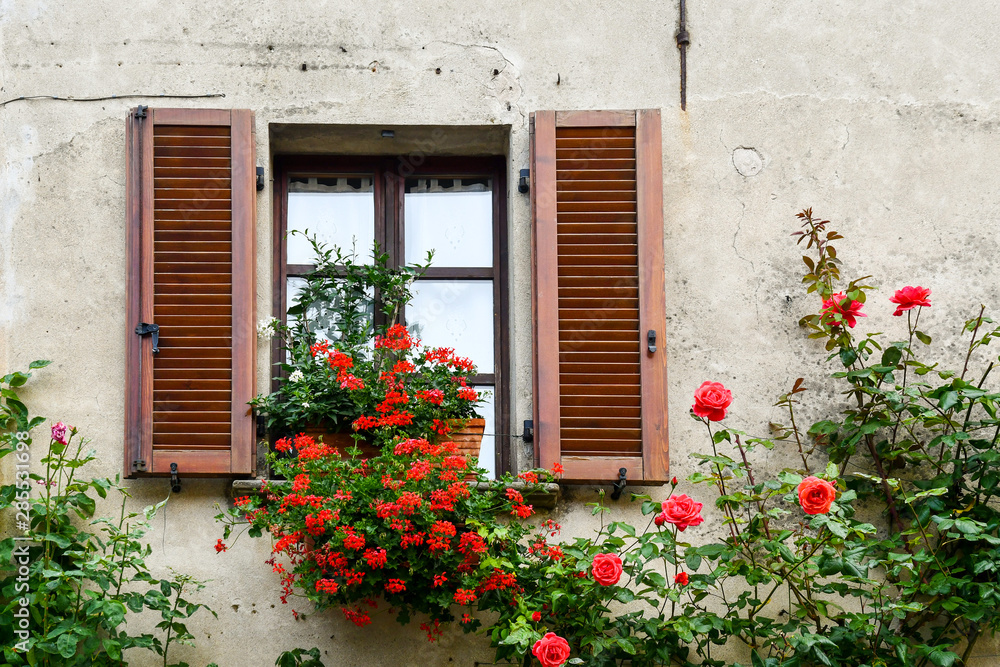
(305, 405)
(296, 376)
(267, 328)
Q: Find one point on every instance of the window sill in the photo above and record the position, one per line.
(544, 498)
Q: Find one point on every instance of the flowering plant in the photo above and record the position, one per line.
(72, 579)
(402, 532)
(801, 576)
(350, 368)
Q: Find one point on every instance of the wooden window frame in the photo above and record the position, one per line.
(653, 464)
(389, 176)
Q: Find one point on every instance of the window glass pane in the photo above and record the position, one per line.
(453, 217)
(487, 451)
(455, 313)
(339, 211)
(322, 316)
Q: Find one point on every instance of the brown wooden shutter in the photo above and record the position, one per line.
(191, 259)
(600, 396)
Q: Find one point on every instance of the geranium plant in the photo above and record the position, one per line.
(370, 373)
(403, 532)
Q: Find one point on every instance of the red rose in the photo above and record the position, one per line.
(839, 304)
(711, 400)
(660, 519)
(681, 578)
(551, 650)
(816, 495)
(682, 511)
(607, 569)
(909, 298)
(537, 616)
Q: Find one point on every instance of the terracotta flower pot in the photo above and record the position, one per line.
(469, 438)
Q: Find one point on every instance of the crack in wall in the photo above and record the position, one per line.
(516, 74)
(753, 267)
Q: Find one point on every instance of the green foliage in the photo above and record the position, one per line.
(77, 575)
(350, 303)
(300, 658)
(902, 569)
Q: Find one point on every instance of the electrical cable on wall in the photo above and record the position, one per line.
(106, 97)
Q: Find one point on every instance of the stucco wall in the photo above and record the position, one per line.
(881, 115)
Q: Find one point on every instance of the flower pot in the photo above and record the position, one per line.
(469, 438)
(342, 441)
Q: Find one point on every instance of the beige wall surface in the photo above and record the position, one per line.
(882, 115)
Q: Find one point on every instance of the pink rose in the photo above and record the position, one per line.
(551, 650)
(711, 400)
(839, 304)
(909, 298)
(682, 511)
(607, 569)
(816, 495)
(59, 433)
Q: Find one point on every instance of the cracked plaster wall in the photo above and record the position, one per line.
(883, 116)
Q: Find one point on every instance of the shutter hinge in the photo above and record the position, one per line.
(139, 465)
(144, 329)
(140, 112)
(529, 430)
(260, 179)
(522, 182)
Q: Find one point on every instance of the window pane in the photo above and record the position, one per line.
(453, 217)
(487, 451)
(455, 313)
(323, 316)
(338, 211)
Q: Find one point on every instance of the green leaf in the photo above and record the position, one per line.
(942, 658)
(948, 400)
(66, 645)
(922, 337)
(39, 363)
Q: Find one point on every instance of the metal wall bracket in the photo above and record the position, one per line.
(175, 481)
(139, 465)
(260, 179)
(522, 182)
(619, 486)
(529, 431)
(140, 112)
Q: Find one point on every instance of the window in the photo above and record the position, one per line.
(191, 338)
(453, 206)
(599, 310)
